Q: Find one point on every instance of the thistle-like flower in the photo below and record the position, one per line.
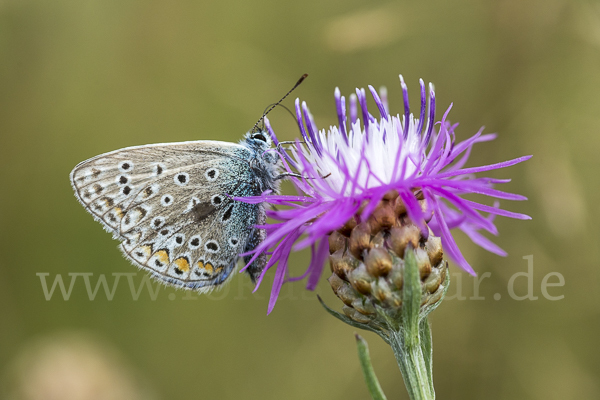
(368, 188)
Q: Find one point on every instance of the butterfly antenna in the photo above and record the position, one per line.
(284, 107)
(302, 78)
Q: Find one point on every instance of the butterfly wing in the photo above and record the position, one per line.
(170, 205)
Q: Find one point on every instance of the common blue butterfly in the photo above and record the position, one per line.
(171, 205)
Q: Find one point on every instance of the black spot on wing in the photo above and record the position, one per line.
(227, 214)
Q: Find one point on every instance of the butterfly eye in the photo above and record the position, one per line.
(259, 136)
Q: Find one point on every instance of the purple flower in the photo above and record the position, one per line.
(348, 169)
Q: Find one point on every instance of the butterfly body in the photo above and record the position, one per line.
(172, 207)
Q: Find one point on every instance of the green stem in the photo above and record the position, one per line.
(412, 342)
(414, 368)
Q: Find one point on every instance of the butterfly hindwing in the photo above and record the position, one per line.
(171, 207)
(200, 248)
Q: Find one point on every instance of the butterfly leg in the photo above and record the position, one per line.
(292, 174)
(286, 174)
(280, 144)
(255, 269)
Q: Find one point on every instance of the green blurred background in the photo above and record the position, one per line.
(79, 78)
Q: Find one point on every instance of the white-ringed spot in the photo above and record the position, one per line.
(126, 190)
(212, 246)
(181, 178)
(195, 242)
(122, 179)
(179, 239)
(233, 242)
(165, 232)
(157, 222)
(166, 200)
(216, 200)
(211, 174)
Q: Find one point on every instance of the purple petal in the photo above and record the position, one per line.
(270, 130)
(379, 103)
(448, 241)
(482, 241)
(462, 206)
(496, 211)
(317, 263)
(472, 187)
(340, 105)
(423, 104)
(277, 282)
(353, 109)
(436, 151)
(362, 99)
(384, 98)
(483, 168)
(406, 107)
(431, 119)
(312, 129)
(414, 211)
(300, 121)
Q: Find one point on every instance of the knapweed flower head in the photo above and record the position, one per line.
(345, 173)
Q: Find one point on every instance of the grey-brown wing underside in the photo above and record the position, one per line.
(170, 205)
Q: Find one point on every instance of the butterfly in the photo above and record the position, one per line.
(172, 205)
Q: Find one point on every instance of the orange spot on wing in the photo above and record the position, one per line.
(162, 256)
(183, 264)
(208, 267)
(147, 250)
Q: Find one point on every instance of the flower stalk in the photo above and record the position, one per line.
(414, 367)
(412, 344)
(407, 331)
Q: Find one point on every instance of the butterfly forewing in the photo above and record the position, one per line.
(171, 207)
